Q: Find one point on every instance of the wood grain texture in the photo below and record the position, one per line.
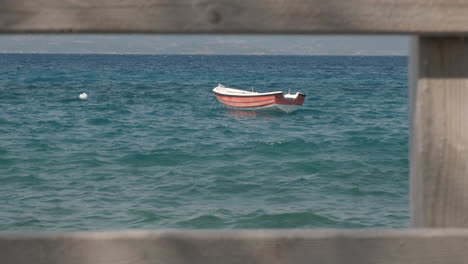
(238, 247)
(235, 16)
(439, 132)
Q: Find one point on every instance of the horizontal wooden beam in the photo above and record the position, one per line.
(424, 246)
(235, 16)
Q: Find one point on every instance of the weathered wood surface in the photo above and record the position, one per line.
(439, 132)
(240, 247)
(236, 16)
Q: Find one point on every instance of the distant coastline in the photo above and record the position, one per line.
(201, 54)
(301, 45)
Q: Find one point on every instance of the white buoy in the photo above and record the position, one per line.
(83, 96)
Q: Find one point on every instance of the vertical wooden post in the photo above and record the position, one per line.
(439, 132)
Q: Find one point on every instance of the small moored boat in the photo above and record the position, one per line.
(246, 100)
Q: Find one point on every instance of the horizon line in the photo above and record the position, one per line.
(202, 54)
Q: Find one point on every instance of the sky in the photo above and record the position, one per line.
(206, 44)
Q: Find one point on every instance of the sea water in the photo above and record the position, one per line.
(151, 148)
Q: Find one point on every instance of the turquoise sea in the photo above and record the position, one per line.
(150, 148)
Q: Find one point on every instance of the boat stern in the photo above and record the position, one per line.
(290, 99)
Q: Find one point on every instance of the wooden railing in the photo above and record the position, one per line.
(439, 134)
(424, 246)
(441, 17)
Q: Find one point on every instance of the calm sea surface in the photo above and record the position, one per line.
(151, 148)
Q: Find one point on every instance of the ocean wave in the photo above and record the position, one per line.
(203, 221)
(98, 121)
(159, 158)
(6, 162)
(140, 216)
(29, 179)
(302, 219)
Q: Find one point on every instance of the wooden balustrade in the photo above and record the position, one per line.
(439, 135)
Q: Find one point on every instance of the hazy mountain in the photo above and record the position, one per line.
(206, 44)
